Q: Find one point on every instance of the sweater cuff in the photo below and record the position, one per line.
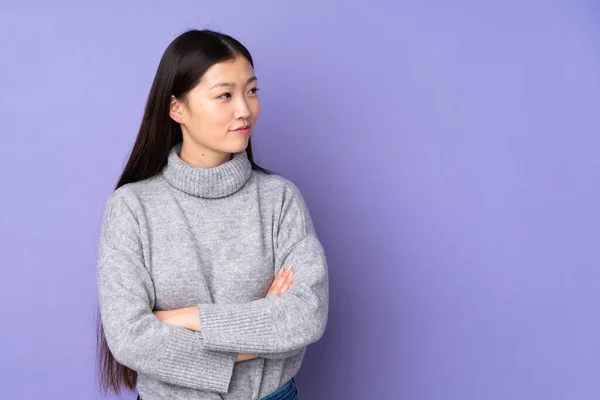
(236, 327)
(187, 352)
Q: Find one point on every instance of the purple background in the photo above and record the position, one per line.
(448, 151)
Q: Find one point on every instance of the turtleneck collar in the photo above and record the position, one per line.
(215, 182)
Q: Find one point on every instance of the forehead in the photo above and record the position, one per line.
(232, 71)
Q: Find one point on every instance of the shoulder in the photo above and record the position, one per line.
(280, 185)
(287, 198)
(130, 197)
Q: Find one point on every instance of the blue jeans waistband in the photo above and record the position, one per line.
(288, 392)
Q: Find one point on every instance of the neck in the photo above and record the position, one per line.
(200, 157)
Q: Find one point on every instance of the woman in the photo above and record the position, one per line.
(192, 298)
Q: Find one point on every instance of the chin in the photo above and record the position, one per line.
(240, 147)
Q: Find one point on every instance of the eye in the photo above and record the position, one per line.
(255, 90)
(224, 94)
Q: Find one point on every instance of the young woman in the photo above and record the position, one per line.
(193, 300)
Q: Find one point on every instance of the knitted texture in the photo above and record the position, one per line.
(212, 238)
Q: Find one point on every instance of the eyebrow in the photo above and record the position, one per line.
(232, 84)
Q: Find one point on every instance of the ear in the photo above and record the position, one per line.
(175, 110)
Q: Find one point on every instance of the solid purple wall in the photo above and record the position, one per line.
(448, 152)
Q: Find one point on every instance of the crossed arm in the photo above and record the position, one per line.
(189, 317)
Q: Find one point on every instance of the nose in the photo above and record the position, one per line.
(242, 110)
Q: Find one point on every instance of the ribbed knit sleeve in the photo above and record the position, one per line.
(280, 325)
(135, 336)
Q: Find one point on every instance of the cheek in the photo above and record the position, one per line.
(213, 115)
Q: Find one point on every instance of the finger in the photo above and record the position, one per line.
(278, 273)
(274, 283)
(278, 283)
(288, 282)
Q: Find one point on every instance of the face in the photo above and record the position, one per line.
(224, 100)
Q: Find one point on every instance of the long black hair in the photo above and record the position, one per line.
(181, 67)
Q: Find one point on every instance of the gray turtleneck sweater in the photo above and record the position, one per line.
(211, 237)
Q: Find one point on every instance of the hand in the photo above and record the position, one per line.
(245, 357)
(282, 282)
(186, 317)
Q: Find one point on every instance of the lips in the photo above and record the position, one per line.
(242, 127)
